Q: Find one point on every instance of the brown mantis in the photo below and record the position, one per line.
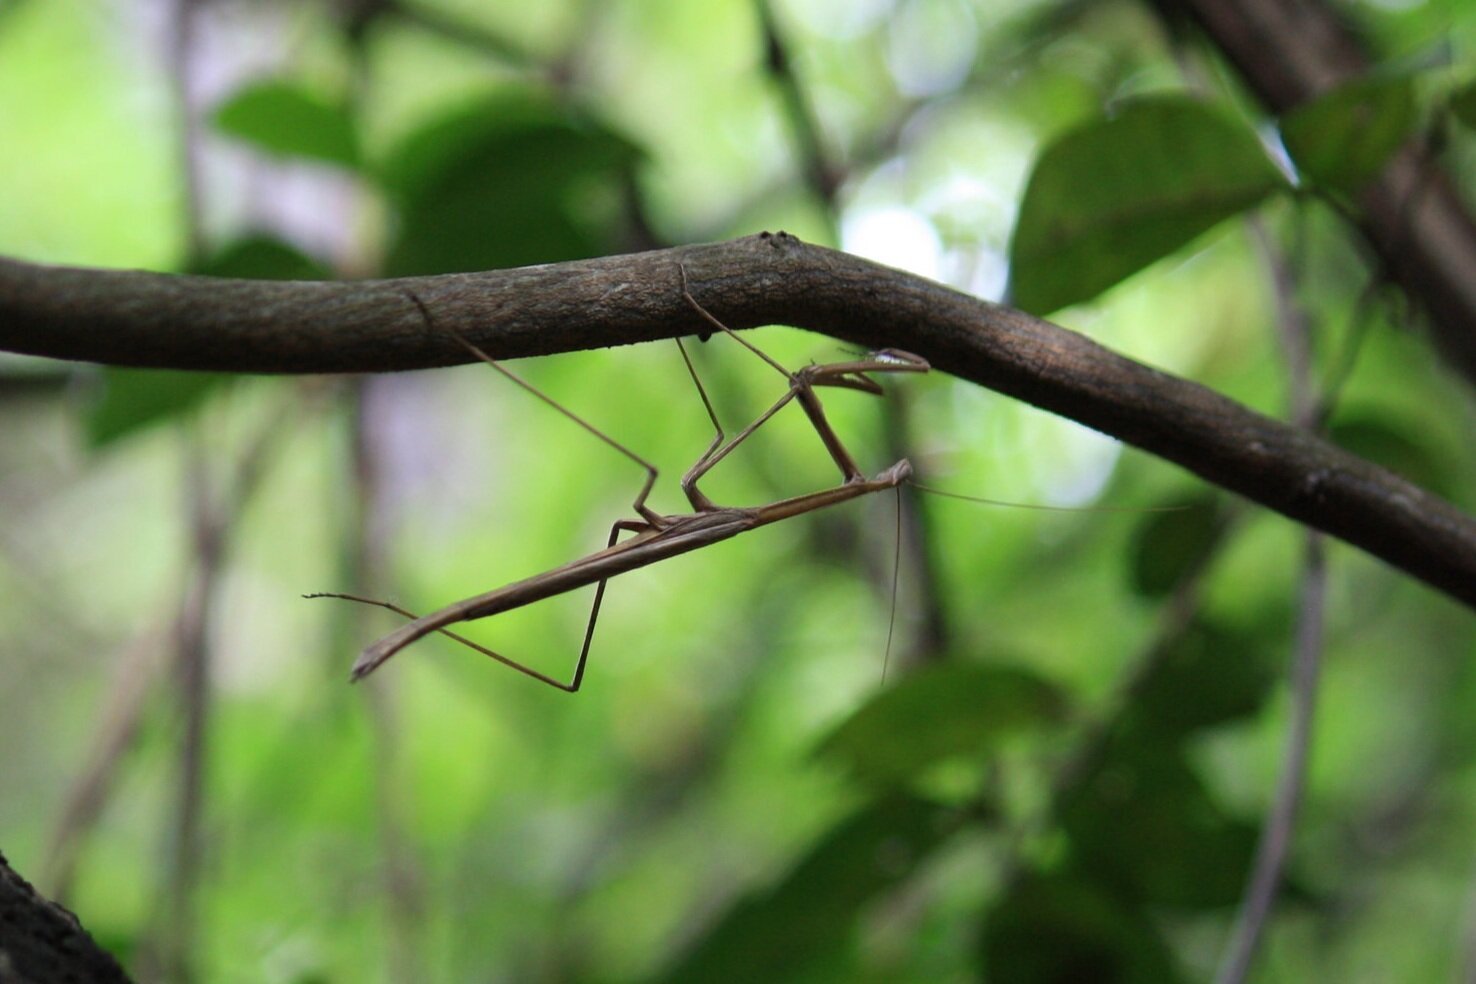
(658, 537)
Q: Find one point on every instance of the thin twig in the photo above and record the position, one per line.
(175, 935)
(822, 176)
(176, 930)
(400, 870)
(1276, 833)
(1267, 872)
(183, 27)
(134, 675)
(139, 665)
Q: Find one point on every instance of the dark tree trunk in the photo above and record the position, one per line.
(43, 943)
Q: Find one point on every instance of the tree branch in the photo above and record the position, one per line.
(148, 319)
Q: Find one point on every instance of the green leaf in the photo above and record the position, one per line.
(132, 399)
(1143, 827)
(507, 181)
(805, 921)
(1343, 138)
(262, 257)
(1052, 929)
(949, 711)
(1462, 103)
(1167, 545)
(1209, 676)
(287, 119)
(1394, 444)
(1112, 196)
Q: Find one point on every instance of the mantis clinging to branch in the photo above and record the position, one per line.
(657, 537)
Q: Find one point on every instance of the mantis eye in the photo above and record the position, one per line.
(897, 357)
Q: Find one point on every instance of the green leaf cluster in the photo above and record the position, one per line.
(1121, 191)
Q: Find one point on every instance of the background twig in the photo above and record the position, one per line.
(1274, 848)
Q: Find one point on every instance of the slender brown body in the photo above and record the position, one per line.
(684, 533)
(659, 537)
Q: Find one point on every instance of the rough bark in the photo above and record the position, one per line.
(1290, 51)
(146, 319)
(43, 943)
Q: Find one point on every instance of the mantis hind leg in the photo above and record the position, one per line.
(594, 608)
(573, 684)
(640, 500)
(491, 653)
(699, 501)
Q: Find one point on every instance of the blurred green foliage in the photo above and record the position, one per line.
(281, 117)
(504, 181)
(1063, 774)
(950, 711)
(1117, 193)
(1343, 139)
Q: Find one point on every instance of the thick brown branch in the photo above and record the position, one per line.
(145, 319)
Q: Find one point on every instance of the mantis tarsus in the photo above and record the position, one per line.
(657, 537)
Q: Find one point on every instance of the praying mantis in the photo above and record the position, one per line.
(656, 537)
